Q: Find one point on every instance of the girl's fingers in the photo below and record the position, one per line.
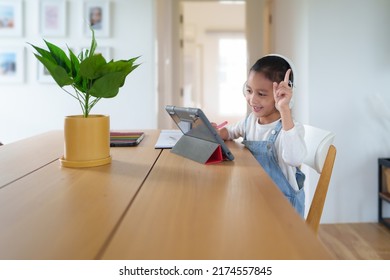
(275, 86)
(287, 76)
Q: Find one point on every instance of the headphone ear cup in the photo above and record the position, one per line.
(291, 84)
(291, 104)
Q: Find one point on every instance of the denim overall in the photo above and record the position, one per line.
(265, 153)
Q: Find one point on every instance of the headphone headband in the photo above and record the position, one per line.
(292, 66)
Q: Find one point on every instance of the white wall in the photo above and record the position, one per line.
(342, 52)
(32, 107)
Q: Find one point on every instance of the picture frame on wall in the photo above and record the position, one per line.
(53, 17)
(11, 64)
(97, 15)
(11, 18)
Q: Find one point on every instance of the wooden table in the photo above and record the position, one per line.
(147, 204)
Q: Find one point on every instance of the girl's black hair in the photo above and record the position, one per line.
(273, 67)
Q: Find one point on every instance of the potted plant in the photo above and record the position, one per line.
(88, 78)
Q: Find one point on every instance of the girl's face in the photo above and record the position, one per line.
(259, 95)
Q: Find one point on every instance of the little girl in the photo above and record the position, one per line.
(269, 131)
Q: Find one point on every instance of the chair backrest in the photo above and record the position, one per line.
(321, 155)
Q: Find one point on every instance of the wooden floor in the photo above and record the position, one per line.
(359, 241)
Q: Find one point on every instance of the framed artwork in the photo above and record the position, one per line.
(11, 19)
(11, 64)
(53, 17)
(97, 15)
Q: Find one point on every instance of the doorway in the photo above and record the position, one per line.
(191, 69)
(214, 56)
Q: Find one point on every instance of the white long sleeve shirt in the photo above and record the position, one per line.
(290, 146)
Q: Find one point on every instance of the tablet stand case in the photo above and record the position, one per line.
(199, 150)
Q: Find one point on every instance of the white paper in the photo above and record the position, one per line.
(168, 138)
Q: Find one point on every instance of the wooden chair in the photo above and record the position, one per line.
(321, 154)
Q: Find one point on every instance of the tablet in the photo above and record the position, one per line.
(193, 122)
(125, 139)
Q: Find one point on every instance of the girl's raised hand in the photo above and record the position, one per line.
(283, 92)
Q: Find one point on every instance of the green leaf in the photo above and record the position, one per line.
(75, 69)
(118, 66)
(81, 56)
(132, 60)
(89, 68)
(131, 70)
(57, 72)
(108, 85)
(93, 43)
(59, 55)
(44, 53)
(74, 64)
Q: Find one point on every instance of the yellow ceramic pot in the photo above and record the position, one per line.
(87, 141)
